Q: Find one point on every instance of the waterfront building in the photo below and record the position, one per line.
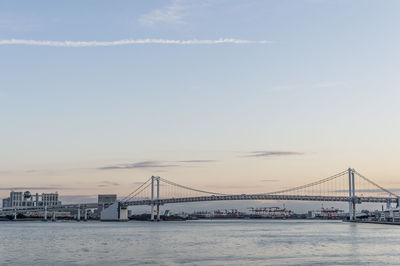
(326, 213)
(50, 199)
(106, 198)
(6, 202)
(26, 199)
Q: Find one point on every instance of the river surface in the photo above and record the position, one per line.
(204, 242)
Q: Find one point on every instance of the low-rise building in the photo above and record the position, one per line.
(26, 199)
(6, 202)
(106, 198)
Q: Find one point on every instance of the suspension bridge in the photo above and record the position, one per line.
(347, 186)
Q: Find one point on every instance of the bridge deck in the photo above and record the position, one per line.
(261, 197)
(68, 207)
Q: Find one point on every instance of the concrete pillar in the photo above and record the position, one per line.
(54, 216)
(388, 205)
(353, 195)
(15, 215)
(350, 197)
(85, 214)
(158, 212)
(45, 213)
(158, 198)
(152, 199)
(78, 216)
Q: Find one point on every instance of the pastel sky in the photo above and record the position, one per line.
(231, 96)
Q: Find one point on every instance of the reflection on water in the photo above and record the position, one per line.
(217, 242)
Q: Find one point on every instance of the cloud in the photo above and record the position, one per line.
(155, 164)
(198, 161)
(172, 13)
(144, 164)
(128, 42)
(272, 153)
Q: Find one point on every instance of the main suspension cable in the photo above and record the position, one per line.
(310, 184)
(375, 184)
(129, 196)
(189, 188)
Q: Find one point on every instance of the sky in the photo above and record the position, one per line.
(228, 96)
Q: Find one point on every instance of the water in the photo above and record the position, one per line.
(205, 242)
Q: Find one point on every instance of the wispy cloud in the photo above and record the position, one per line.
(198, 161)
(155, 164)
(128, 42)
(144, 164)
(172, 13)
(272, 153)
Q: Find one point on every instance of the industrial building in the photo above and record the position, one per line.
(26, 199)
(103, 201)
(106, 198)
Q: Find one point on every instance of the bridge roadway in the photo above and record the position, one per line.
(69, 207)
(64, 207)
(261, 197)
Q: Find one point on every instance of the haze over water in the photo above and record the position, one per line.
(204, 242)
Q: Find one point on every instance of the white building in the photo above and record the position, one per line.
(24, 199)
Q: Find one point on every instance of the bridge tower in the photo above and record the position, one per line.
(158, 197)
(352, 196)
(157, 179)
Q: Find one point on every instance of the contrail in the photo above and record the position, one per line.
(127, 42)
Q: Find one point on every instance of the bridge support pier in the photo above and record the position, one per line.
(45, 213)
(15, 215)
(153, 202)
(388, 205)
(78, 215)
(85, 214)
(158, 213)
(152, 199)
(54, 216)
(152, 213)
(158, 198)
(352, 196)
